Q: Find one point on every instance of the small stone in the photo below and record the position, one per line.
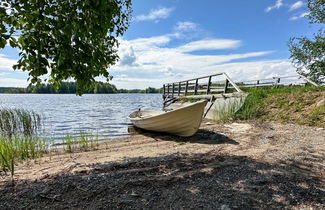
(320, 103)
(225, 207)
(126, 201)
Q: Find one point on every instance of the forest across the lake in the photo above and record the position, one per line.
(70, 87)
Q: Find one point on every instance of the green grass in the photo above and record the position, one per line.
(20, 148)
(317, 117)
(284, 104)
(83, 141)
(227, 112)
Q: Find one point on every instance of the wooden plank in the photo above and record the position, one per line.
(308, 80)
(272, 84)
(256, 83)
(216, 89)
(197, 78)
(222, 95)
(283, 77)
(232, 83)
(204, 91)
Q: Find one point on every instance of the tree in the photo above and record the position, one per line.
(309, 55)
(64, 38)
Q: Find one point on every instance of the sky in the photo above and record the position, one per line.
(173, 40)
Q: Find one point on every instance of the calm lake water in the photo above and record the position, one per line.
(105, 114)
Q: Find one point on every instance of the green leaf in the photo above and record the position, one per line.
(3, 43)
(12, 43)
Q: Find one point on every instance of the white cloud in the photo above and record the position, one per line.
(209, 44)
(3, 73)
(296, 17)
(186, 26)
(127, 56)
(296, 5)
(155, 14)
(238, 71)
(277, 5)
(6, 63)
(243, 71)
(157, 63)
(151, 42)
(13, 82)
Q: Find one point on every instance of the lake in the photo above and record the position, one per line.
(63, 114)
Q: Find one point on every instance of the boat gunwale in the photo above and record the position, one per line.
(174, 110)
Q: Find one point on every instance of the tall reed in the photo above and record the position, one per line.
(14, 122)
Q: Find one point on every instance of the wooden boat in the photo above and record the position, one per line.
(183, 121)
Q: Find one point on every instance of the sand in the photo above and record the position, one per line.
(224, 166)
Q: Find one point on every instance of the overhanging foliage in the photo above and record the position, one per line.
(64, 38)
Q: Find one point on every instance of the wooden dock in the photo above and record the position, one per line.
(221, 85)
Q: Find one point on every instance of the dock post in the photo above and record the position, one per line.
(226, 86)
(173, 90)
(179, 88)
(186, 87)
(277, 82)
(164, 89)
(167, 90)
(209, 83)
(196, 86)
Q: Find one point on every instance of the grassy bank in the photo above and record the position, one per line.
(301, 105)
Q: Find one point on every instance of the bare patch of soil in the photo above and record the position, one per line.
(236, 166)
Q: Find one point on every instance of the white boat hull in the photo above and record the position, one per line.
(184, 121)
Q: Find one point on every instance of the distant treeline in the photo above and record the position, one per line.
(70, 87)
(147, 90)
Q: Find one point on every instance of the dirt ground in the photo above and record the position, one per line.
(243, 165)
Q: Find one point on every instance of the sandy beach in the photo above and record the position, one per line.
(224, 166)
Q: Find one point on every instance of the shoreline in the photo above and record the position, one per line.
(235, 165)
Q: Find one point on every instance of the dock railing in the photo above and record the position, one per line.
(298, 80)
(200, 87)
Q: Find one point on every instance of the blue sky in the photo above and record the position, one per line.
(171, 40)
